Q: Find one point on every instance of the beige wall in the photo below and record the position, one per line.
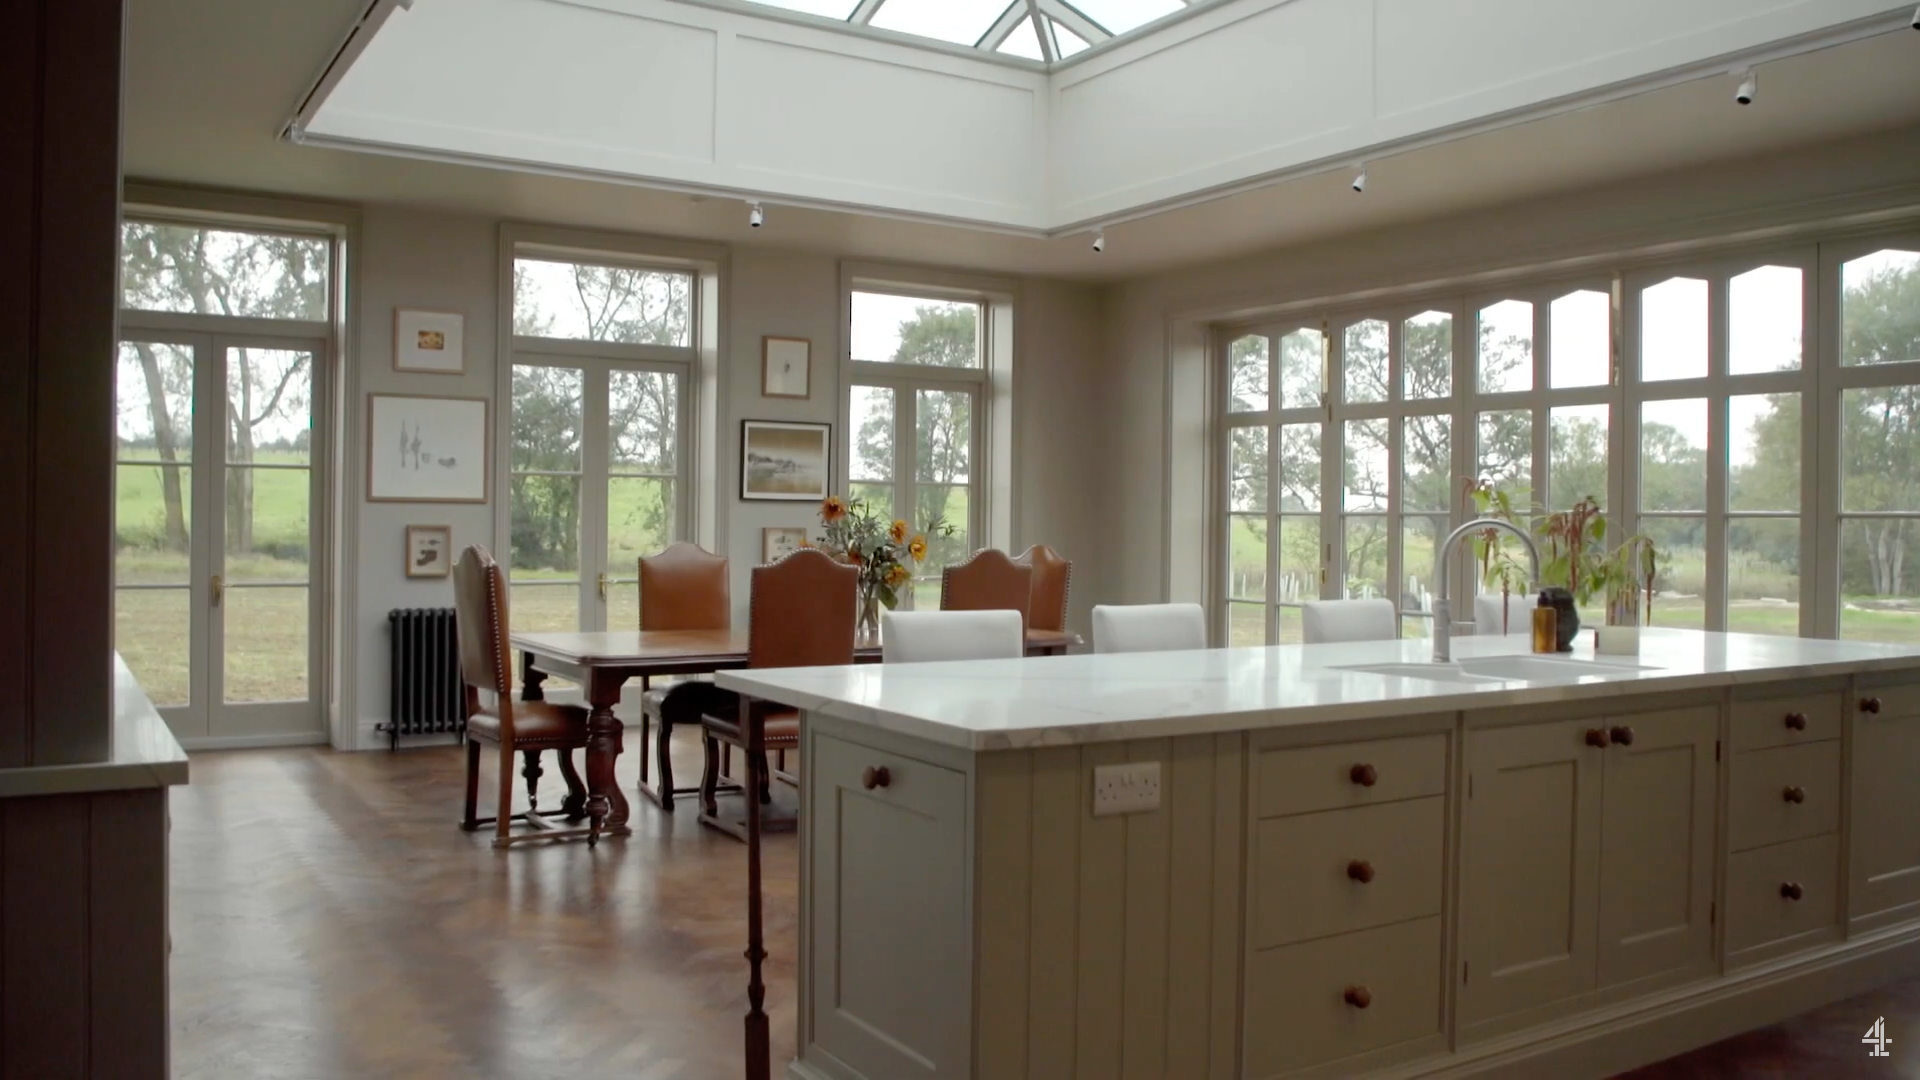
(408, 257)
(1154, 354)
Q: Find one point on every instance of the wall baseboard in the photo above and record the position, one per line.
(255, 742)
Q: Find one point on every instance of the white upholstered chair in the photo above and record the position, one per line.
(1121, 628)
(1486, 614)
(1349, 620)
(912, 636)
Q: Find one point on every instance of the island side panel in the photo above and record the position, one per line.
(1108, 947)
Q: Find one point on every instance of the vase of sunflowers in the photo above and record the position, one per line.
(884, 551)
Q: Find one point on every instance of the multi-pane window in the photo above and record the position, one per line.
(596, 429)
(1878, 540)
(915, 419)
(1274, 557)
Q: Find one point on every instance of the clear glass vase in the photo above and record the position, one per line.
(867, 627)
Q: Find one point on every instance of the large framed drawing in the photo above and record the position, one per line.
(782, 461)
(426, 449)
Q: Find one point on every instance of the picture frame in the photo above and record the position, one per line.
(429, 551)
(782, 461)
(786, 367)
(433, 342)
(780, 541)
(428, 449)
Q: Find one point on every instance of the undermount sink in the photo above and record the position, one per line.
(1520, 668)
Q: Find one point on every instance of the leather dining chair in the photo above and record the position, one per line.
(1047, 597)
(802, 611)
(525, 727)
(908, 637)
(1323, 621)
(684, 587)
(988, 581)
(1122, 628)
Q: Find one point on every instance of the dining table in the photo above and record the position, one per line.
(601, 662)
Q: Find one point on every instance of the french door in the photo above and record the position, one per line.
(218, 508)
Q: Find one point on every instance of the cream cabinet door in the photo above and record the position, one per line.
(1656, 843)
(1886, 803)
(1530, 854)
(892, 978)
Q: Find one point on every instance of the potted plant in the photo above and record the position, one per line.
(1574, 559)
(884, 551)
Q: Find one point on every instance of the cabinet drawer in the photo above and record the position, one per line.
(1896, 699)
(1308, 868)
(1297, 1013)
(1295, 781)
(1786, 721)
(1760, 908)
(1760, 811)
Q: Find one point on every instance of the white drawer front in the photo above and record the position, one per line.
(1785, 793)
(1296, 781)
(1341, 870)
(1297, 1010)
(1780, 891)
(1786, 721)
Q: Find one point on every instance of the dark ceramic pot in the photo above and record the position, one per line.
(1566, 617)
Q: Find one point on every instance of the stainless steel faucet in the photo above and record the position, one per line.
(1442, 607)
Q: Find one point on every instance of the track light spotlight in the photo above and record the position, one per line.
(1749, 87)
(1100, 241)
(1360, 178)
(1916, 18)
(756, 217)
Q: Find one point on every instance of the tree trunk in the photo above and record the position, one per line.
(1898, 561)
(239, 456)
(163, 443)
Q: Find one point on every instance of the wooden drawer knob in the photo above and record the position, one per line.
(873, 778)
(1794, 794)
(1796, 721)
(1791, 890)
(1597, 736)
(1358, 996)
(1870, 705)
(1623, 736)
(1364, 775)
(1360, 870)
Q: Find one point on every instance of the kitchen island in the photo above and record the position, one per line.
(1342, 859)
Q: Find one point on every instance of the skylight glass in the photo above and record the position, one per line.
(1120, 16)
(962, 22)
(1023, 42)
(832, 9)
(1067, 41)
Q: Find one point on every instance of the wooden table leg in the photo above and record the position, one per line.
(758, 1050)
(530, 679)
(605, 803)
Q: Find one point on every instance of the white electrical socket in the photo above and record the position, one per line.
(1126, 789)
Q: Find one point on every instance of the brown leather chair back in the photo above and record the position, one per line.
(684, 588)
(802, 611)
(1052, 576)
(480, 614)
(989, 581)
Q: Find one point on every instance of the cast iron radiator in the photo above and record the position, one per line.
(426, 695)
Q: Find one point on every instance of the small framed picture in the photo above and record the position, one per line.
(786, 367)
(784, 462)
(429, 341)
(429, 551)
(778, 543)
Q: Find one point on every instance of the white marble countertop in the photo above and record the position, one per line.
(1087, 698)
(145, 754)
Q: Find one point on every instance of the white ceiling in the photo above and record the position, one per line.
(210, 82)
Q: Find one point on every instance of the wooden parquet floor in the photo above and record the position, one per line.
(330, 921)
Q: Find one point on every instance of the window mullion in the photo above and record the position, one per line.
(1719, 455)
(596, 449)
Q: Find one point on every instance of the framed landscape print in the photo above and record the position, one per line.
(429, 341)
(429, 551)
(785, 367)
(426, 449)
(782, 461)
(778, 543)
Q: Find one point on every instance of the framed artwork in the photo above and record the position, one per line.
(784, 462)
(431, 341)
(426, 449)
(786, 367)
(429, 551)
(778, 543)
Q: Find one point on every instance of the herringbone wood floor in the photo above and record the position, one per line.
(330, 921)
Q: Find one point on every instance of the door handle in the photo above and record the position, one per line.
(603, 586)
(218, 588)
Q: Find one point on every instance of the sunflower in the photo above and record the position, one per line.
(918, 548)
(898, 575)
(832, 509)
(899, 531)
